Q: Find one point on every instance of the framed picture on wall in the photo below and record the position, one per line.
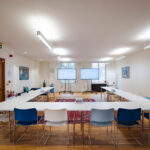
(126, 72)
(23, 73)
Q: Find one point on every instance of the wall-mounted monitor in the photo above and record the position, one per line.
(89, 74)
(66, 74)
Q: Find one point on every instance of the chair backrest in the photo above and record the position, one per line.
(102, 115)
(52, 90)
(26, 89)
(55, 115)
(25, 115)
(129, 115)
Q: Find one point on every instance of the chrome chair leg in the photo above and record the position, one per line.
(42, 135)
(131, 133)
(48, 136)
(22, 135)
(68, 134)
(89, 133)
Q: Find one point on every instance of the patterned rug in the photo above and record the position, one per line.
(75, 116)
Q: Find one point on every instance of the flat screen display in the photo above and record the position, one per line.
(89, 74)
(66, 74)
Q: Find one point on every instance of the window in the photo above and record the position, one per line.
(68, 66)
(102, 72)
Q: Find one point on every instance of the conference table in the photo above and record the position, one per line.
(142, 101)
(23, 102)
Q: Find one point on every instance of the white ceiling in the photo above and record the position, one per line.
(87, 29)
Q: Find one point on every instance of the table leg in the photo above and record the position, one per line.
(9, 126)
(74, 127)
(142, 132)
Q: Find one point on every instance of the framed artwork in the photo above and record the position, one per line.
(126, 72)
(23, 73)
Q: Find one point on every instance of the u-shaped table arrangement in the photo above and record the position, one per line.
(22, 102)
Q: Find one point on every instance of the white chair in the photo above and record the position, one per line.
(55, 118)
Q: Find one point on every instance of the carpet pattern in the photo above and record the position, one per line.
(75, 116)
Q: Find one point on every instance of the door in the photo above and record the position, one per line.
(2, 79)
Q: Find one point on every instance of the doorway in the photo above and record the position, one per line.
(2, 79)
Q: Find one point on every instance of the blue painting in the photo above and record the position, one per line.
(23, 73)
(126, 72)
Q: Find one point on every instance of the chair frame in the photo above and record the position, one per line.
(15, 141)
(112, 137)
(9, 123)
(130, 131)
(49, 134)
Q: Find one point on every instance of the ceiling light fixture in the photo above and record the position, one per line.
(42, 38)
(146, 44)
(120, 51)
(106, 59)
(60, 51)
(146, 47)
(119, 58)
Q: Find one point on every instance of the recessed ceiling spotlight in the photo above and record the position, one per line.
(120, 51)
(106, 59)
(119, 58)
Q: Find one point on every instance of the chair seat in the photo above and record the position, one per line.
(50, 123)
(101, 124)
(127, 123)
(4, 117)
(28, 123)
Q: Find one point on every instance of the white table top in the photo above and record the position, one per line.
(72, 106)
(131, 97)
(22, 103)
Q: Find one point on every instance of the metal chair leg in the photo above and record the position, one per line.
(42, 135)
(22, 134)
(89, 133)
(68, 134)
(14, 133)
(48, 136)
(116, 135)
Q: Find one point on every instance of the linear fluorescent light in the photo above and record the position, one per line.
(146, 47)
(106, 59)
(120, 51)
(42, 38)
(119, 58)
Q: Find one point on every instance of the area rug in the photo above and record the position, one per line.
(75, 116)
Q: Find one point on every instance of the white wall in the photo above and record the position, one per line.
(48, 72)
(139, 82)
(40, 71)
(12, 70)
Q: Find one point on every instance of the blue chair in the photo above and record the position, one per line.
(26, 89)
(52, 91)
(26, 118)
(101, 118)
(128, 118)
(146, 114)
